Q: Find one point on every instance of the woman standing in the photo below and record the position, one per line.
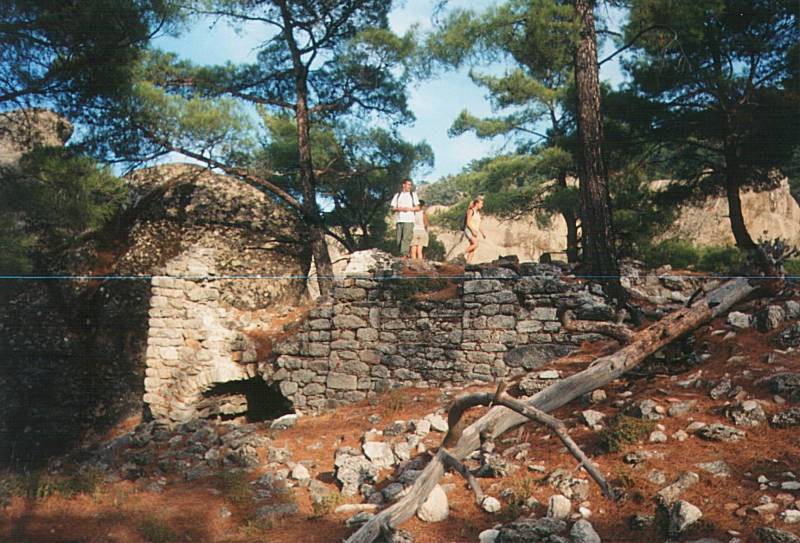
(420, 237)
(472, 226)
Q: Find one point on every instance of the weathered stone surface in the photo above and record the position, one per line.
(559, 507)
(770, 318)
(379, 453)
(746, 413)
(720, 432)
(766, 534)
(790, 337)
(739, 320)
(542, 530)
(353, 470)
(583, 532)
(531, 357)
(436, 508)
(669, 494)
(682, 515)
(785, 419)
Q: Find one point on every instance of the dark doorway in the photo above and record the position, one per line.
(250, 398)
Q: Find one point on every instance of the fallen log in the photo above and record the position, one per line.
(460, 442)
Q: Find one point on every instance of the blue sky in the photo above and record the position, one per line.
(435, 102)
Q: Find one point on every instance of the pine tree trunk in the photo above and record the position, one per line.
(319, 245)
(732, 183)
(598, 237)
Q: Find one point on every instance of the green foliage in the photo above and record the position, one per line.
(395, 400)
(792, 267)
(258, 526)
(363, 169)
(56, 196)
(516, 505)
(155, 529)
(623, 431)
(325, 504)
(71, 55)
(39, 486)
(723, 85)
(235, 487)
(681, 254)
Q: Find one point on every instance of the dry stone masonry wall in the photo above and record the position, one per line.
(195, 342)
(502, 322)
(498, 320)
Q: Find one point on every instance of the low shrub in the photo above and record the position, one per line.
(235, 487)
(156, 530)
(682, 254)
(622, 431)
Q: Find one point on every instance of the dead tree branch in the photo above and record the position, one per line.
(621, 333)
(500, 419)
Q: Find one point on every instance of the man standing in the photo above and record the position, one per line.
(404, 204)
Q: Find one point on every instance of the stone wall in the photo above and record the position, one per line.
(194, 342)
(501, 322)
(500, 319)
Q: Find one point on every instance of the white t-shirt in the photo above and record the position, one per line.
(404, 199)
(419, 220)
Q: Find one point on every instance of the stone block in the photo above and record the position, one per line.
(482, 286)
(319, 324)
(527, 326)
(342, 381)
(288, 388)
(502, 322)
(349, 322)
(367, 334)
(349, 294)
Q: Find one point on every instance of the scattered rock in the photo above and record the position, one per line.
(739, 320)
(657, 477)
(598, 395)
(490, 504)
(680, 435)
(436, 508)
(788, 338)
(791, 309)
(791, 516)
(592, 418)
(669, 494)
(787, 384)
(773, 535)
(721, 389)
(657, 437)
(438, 424)
(646, 409)
(678, 409)
(277, 510)
(720, 432)
(583, 532)
(300, 473)
(559, 507)
(682, 515)
(353, 470)
(787, 418)
(641, 522)
(379, 453)
(717, 468)
(285, 422)
(573, 488)
(770, 318)
(488, 536)
(746, 413)
(541, 530)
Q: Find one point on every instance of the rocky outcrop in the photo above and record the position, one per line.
(73, 352)
(24, 130)
(767, 214)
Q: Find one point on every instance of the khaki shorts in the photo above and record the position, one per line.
(420, 237)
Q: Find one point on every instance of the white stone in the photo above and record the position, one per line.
(683, 515)
(585, 512)
(488, 536)
(300, 473)
(548, 374)
(438, 424)
(422, 427)
(490, 504)
(658, 437)
(791, 516)
(739, 320)
(379, 453)
(790, 485)
(559, 507)
(592, 418)
(583, 532)
(436, 508)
